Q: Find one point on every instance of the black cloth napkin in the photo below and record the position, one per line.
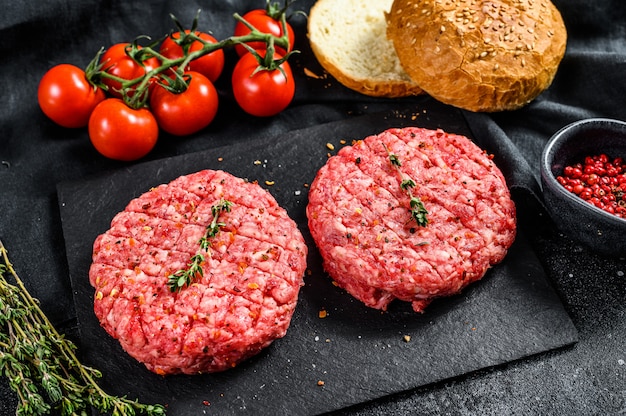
(36, 155)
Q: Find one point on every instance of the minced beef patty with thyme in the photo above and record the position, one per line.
(360, 219)
(252, 274)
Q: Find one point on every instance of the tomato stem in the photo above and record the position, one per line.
(275, 11)
(135, 91)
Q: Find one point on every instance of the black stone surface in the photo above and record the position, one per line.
(360, 354)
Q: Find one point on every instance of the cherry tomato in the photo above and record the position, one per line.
(266, 92)
(187, 112)
(120, 132)
(209, 65)
(66, 97)
(116, 61)
(263, 22)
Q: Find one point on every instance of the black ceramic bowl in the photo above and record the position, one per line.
(600, 231)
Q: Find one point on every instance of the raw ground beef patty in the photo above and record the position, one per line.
(252, 274)
(360, 219)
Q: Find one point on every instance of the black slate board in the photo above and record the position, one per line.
(359, 353)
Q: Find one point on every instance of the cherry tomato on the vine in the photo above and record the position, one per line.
(263, 22)
(120, 132)
(66, 96)
(116, 61)
(186, 112)
(265, 92)
(209, 65)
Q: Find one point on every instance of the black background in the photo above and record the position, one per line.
(588, 377)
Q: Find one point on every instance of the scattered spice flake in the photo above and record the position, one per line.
(257, 162)
(322, 314)
(312, 74)
(220, 159)
(406, 338)
(206, 402)
(342, 141)
(330, 146)
(269, 183)
(320, 383)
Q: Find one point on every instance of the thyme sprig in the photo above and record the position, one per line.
(185, 277)
(41, 364)
(417, 208)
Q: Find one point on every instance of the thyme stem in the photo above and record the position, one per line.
(184, 277)
(41, 364)
(416, 206)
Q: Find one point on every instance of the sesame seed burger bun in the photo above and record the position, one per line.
(479, 55)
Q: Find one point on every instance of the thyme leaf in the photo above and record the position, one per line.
(41, 364)
(417, 208)
(185, 277)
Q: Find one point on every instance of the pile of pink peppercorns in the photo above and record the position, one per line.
(599, 180)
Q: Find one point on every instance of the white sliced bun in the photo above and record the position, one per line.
(478, 55)
(349, 39)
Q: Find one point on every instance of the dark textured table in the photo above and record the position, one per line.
(584, 377)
